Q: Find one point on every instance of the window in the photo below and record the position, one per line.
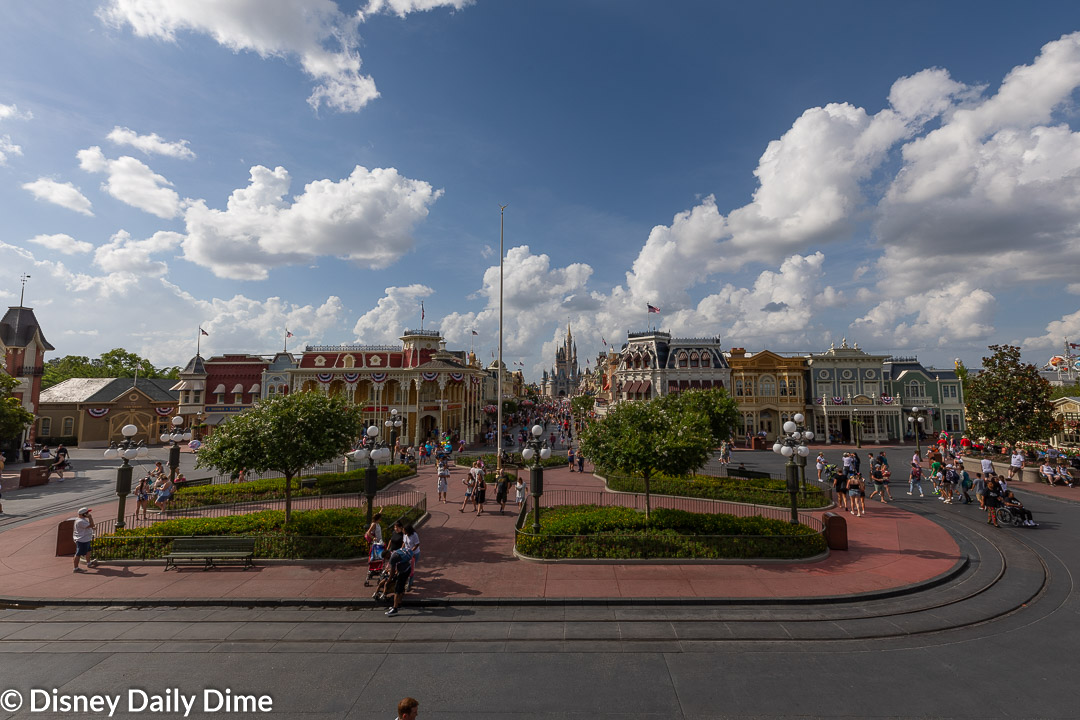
(693, 359)
(46, 427)
(783, 387)
(706, 360)
(220, 398)
(197, 399)
(950, 391)
(271, 390)
(846, 389)
(767, 387)
(952, 422)
(185, 397)
(824, 390)
(738, 387)
(793, 387)
(69, 427)
(238, 398)
(871, 389)
(916, 389)
(683, 361)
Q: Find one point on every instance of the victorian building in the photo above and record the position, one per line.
(89, 412)
(653, 363)
(940, 392)
(564, 377)
(848, 395)
(23, 346)
(768, 388)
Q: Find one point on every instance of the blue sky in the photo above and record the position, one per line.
(782, 174)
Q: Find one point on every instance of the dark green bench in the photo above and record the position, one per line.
(211, 550)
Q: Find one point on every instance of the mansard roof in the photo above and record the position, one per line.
(18, 326)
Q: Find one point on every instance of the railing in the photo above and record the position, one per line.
(425, 333)
(248, 477)
(348, 347)
(30, 371)
(311, 502)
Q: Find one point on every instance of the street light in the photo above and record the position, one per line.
(371, 477)
(127, 449)
(792, 447)
(175, 437)
(917, 418)
(393, 425)
(536, 450)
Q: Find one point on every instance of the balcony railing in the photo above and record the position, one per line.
(30, 371)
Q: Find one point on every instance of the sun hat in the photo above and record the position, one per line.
(84, 510)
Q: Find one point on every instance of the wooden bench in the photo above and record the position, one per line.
(195, 482)
(209, 549)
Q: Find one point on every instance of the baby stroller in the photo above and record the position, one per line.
(375, 562)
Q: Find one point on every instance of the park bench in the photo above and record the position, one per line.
(209, 549)
(195, 482)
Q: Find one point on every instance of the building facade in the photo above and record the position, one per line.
(1067, 410)
(768, 388)
(564, 377)
(23, 346)
(91, 411)
(653, 363)
(848, 394)
(940, 392)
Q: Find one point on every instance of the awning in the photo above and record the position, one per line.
(238, 388)
(214, 419)
(631, 388)
(254, 389)
(645, 386)
(219, 389)
(673, 386)
(695, 384)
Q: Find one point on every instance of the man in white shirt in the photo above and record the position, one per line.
(987, 466)
(1017, 463)
(82, 534)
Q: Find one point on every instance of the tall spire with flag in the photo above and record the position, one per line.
(287, 336)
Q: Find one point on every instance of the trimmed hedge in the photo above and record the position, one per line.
(490, 460)
(757, 491)
(274, 488)
(334, 534)
(591, 531)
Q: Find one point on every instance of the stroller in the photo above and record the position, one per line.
(375, 562)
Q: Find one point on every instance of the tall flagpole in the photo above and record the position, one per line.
(285, 347)
(499, 371)
(198, 340)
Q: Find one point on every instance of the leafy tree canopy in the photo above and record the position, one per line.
(1060, 391)
(114, 363)
(715, 405)
(1009, 401)
(582, 405)
(285, 434)
(14, 418)
(642, 439)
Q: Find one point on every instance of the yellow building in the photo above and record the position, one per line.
(768, 388)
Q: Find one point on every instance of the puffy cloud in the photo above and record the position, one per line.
(401, 8)
(132, 182)
(944, 316)
(398, 309)
(62, 243)
(12, 112)
(124, 254)
(315, 32)
(7, 147)
(151, 144)
(1067, 326)
(63, 194)
(367, 217)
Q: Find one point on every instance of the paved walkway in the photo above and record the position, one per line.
(465, 556)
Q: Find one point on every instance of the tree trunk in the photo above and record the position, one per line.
(288, 496)
(647, 502)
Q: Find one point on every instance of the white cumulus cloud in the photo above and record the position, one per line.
(125, 254)
(367, 217)
(132, 182)
(63, 194)
(62, 243)
(151, 144)
(944, 316)
(398, 309)
(401, 8)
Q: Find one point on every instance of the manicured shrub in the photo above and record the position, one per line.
(274, 488)
(757, 491)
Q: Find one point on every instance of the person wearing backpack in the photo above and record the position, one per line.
(965, 485)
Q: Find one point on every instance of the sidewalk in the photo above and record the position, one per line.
(466, 557)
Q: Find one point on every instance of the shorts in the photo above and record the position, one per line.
(442, 486)
(400, 581)
(853, 493)
(879, 486)
(82, 548)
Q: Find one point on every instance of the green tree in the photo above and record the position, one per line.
(117, 362)
(1061, 391)
(715, 405)
(1009, 401)
(643, 439)
(14, 418)
(582, 405)
(285, 434)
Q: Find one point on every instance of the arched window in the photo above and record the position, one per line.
(738, 387)
(767, 386)
(915, 389)
(683, 360)
(68, 427)
(706, 360)
(693, 359)
(783, 387)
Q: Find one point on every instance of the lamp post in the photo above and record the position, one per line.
(393, 425)
(917, 418)
(791, 446)
(371, 477)
(536, 450)
(175, 437)
(127, 449)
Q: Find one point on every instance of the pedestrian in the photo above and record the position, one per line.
(964, 484)
(397, 537)
(915, 480)
(502, 489)
(411, 545)
(879, 485)
(820, 464)
(27, 451)
(520, 490)
(142, 497)
(856, 463)
(407, 709)
(993, 501)
(374, 532)
(399, 566)
(840, 481)
(570, 457)
(469, 481)
(1016, 464)
(980, 490)
(61, 463)
(987, 466)
(580, 461)
(856, 495)
(480, 494)
(443, 481)
(163, 493)
(83, 534)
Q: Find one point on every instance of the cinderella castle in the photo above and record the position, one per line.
(564, 377)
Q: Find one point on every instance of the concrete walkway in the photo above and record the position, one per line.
(466, 557)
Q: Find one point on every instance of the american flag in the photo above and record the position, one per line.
(652, 308)
(204, 332)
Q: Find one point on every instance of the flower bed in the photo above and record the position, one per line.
(274, 488)
(334, 534)
(756, 491)
(591, 531)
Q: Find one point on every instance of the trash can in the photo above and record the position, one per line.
(65, 543)
(31, 476)
(835, 530)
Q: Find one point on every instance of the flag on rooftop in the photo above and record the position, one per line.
(652, 308)
(204, 332)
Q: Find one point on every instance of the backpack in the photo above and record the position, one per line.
(951, 476)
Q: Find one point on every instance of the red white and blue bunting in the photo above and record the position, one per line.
(97, 412)
(430, 375)
(351, 378)
(820, 400)
(324, 378)
(163, 412)
(378, 378)
(475, 380)
(837, 400)
(457, 377)
(887, 399)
